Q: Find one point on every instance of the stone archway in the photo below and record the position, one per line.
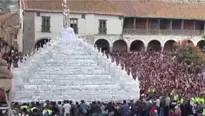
(154, 45)
(119, 45)
(137, 45)
(169, 45)
(186, 42)
(41, 42)
(190, 42)
(103, 45)
(201, 44)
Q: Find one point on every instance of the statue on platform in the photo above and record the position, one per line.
(67, 33)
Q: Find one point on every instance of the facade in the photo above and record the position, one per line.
(115, 25)
(43, 24)
(159, 25)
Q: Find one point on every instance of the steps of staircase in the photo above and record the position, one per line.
(68, 72)
(73, 76)
(82, 87)
(70, 81)
(74, 95)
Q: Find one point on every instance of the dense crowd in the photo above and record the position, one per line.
(161, 71)
(160, 74)
(162, 106)
(146, 106)
(168, 88)
(10, 54)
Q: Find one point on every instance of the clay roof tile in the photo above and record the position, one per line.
(78, 6)
(161, 9)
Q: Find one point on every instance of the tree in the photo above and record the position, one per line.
(188, 53)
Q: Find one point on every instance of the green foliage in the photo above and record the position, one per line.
(189, 54)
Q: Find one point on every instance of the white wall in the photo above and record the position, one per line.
(56, 25)
(87, 25)
(114, 24)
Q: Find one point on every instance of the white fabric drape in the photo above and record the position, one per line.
(68, 34)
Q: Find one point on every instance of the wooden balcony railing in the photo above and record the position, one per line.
(162, 32)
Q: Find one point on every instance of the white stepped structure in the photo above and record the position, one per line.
(72, 71)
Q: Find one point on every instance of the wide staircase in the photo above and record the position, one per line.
(72, 71)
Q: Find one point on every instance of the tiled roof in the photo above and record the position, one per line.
(161, 9)
(77, 6)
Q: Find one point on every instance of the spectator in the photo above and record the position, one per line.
(124, 109)
(67, 108)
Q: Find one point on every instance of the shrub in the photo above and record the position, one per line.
(188, 53)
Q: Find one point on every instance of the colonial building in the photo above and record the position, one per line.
(116, 25)
(158, 25)
(43, 19)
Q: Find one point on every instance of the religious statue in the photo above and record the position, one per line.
(66, 13)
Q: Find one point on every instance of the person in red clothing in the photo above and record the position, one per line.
(178, 111)
(1, 96)
(172, 113)
(153, 111)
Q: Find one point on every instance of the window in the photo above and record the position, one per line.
(45, 27)
(74, 24)
(102, 27)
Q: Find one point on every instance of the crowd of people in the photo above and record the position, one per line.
(161, 71)
(10, 54)
(160, 74)
(168, 88)
(162, 106)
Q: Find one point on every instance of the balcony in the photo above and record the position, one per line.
(163, 32)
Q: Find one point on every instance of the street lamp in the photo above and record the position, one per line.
(66, 12)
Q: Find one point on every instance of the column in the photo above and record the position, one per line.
(110, 49)
(145, 48)
(134, 23)
(182, 24)
(147, 25)
(204, 26)
(159, 23)
(170, 24)
(194, 25)
(162, 48)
